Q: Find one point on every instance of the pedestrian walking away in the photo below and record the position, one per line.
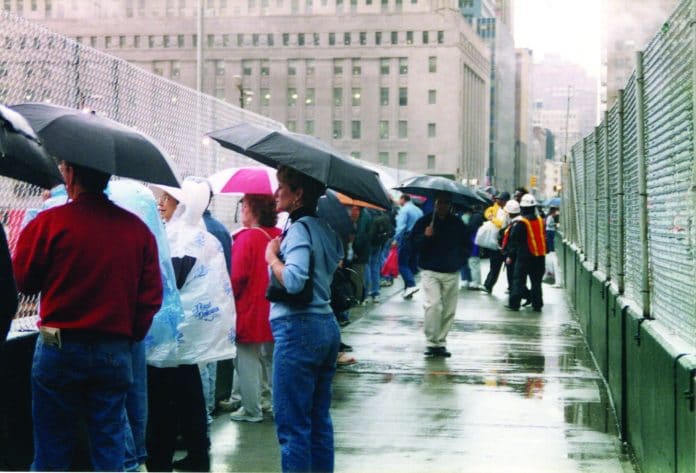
(405, 220)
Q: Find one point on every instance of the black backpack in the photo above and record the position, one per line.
(344, 291)
(381, 231)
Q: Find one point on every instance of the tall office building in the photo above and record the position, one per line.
(497, 34)
(527, 169)
(403, 83)
(628, 25)
(565, 101)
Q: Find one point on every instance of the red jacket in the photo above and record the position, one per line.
(95, 264)
(249, 283)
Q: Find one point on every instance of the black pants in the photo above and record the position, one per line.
(175, 400)
(496, 259)
(532, 267)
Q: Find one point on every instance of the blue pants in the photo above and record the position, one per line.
(408, 262)
(304, 364)
(135, 414)
(86, 378)
(372, 272)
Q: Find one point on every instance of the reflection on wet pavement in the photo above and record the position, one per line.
(520, 394)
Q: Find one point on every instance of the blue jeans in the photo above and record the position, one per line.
(87, 379)
(208, 380)
(407, 262)
(304, 364)
(372, 272)
(135, 414)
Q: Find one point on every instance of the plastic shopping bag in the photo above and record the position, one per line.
(487, 236)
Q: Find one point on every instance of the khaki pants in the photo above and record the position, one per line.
(440, 292)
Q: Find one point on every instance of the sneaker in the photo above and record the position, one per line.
(266, 406)
(463, 284)
(375, 299)
(229, 405)
(240, 415)
(410, 291)
(386, 283)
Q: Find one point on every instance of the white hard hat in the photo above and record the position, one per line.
(512, 207)
(528, 200)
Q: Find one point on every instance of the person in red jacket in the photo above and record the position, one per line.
(249, 283)
(96, 267)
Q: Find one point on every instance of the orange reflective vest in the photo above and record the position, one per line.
(536, 237)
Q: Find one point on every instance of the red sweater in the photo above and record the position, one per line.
(95, 264)
(249, 283)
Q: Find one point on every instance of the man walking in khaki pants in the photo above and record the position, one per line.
(440, 240)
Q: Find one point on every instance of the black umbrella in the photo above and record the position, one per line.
(331, 210)
(96, 142)
(21, 155)
(431, 185)
(306, 154)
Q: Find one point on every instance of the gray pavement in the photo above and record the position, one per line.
(520, 394)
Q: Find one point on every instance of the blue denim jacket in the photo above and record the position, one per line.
(294, 251)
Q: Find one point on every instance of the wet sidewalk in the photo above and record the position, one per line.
(519, 394)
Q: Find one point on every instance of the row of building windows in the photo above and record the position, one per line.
(401, 158)
(338, 131)
(339, 65)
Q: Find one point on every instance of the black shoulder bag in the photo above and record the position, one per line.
(277, 293)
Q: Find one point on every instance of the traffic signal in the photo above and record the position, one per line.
(532, 181)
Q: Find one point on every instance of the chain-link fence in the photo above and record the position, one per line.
(641, 158)
(37, 65)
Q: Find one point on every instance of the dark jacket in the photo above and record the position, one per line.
(445, 251)
(8, 289)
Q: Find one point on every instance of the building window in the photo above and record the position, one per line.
(432, 97)
(158, 68)
(403, 96)
(384, 66)
(332, 39)
(225, 41)
(136, 41)
(409, 37)
(255, 39)
(292, 97)
(240, 40)
(300, 39)
(346, 39)
(337, 130)
(385, 5)
(403, 129)
(363, 38)
(355, 154)
(211, 40)
(338, 67)
(399, 5)
(432, 64)
(246, 67)
(378, 38)
(309, 127)
(180, 41)
(107, 42)
(402, 159)
(383, 158)
(309, 67)
(384, 96)
(265, 97)
(355, 129)
(353, 5)
(121, 41)
(309, 97)
(355, 66)
(292, 126)
(431, 161)
(403, 65)
(338, 96)
(315, 39)
(150, 41)
(440, 37)
(269, 39)
(394, 37)
(219, 93)
(425, 37)
(175, 68)
(292, 67)
(265, 67)
(383, 130)
(219, 68)
(355, 97)
(286, 39)
(431, 130)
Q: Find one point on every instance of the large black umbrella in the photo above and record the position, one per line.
(21, 155)
(96, 142)
(431, 185)
(306, 154)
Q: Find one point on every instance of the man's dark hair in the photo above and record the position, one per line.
(406, 197)
(91, 179)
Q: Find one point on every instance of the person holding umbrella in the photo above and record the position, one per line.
(306, 334)
(440, 239)
(96, 267)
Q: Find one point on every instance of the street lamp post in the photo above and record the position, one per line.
(244, 95)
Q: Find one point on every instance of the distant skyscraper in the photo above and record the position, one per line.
(525, 165)
(628, 25)
(402, 83)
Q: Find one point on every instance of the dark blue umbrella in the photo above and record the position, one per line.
(333, 212)
(430, 185)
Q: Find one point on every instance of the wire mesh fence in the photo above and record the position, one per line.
(645, 142)
(37, 65)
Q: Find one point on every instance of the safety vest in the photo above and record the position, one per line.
(536, 237)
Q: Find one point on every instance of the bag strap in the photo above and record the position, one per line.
(262, 231)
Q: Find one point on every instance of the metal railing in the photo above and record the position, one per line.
(630, 187)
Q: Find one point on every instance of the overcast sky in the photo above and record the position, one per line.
(570, 28)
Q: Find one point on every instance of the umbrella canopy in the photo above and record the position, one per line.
(331, 210)
(21, 154)
(553, 202)
(345, 200)
(307, 155)
(96, 142)
(245, 180)
(431, 185)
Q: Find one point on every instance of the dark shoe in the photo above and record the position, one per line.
(527, 302)
(514, 309)
(432, 352)
(442, 351)
(344, 347)
(189, 464)
(487, 289)
(344, 322)
(536, 309)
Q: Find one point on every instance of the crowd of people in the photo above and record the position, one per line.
(135, 313)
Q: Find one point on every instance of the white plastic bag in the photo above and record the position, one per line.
(487, 236)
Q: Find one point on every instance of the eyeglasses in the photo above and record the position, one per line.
(163, 199)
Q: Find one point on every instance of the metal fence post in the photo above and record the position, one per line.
(621, 272)
(595, 142)
(607, 209)
(642, 184)
(583, 199)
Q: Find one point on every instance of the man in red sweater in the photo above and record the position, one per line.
(96, 267)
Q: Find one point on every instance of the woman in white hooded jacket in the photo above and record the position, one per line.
(206, 334)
